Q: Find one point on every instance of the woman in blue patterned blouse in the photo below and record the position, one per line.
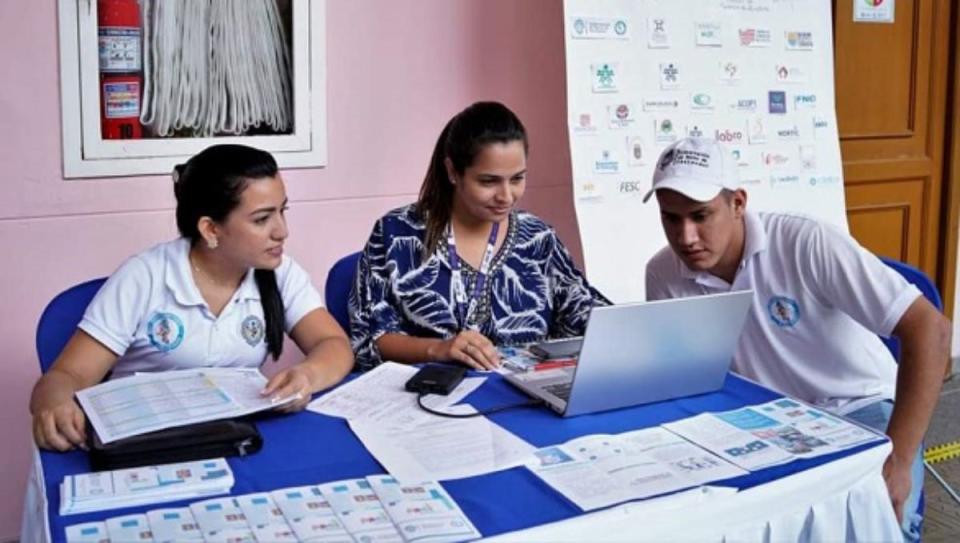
(462, 269)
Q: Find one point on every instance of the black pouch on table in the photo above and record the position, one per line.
(199, 441)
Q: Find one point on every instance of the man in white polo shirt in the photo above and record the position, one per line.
(821, 300)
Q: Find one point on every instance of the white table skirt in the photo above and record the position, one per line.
(845, 500)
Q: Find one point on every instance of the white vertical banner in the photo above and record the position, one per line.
(757, 75)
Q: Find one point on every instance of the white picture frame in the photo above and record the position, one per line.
(87, 154)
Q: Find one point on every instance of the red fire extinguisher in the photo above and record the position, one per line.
(121, 68)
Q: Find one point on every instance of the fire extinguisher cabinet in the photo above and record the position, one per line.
(121, 68)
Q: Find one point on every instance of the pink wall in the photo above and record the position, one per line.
(396, 72)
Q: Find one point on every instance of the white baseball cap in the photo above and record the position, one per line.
(698, 168)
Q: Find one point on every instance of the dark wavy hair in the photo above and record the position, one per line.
(461, 141)
(209, 185)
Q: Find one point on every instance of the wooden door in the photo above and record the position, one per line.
(891, 89)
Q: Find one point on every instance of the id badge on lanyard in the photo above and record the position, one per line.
(466, 305)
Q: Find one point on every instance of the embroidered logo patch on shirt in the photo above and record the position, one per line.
(165, 331)
(785, 312)
(252, 329)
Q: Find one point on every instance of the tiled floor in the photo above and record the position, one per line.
(942, 517)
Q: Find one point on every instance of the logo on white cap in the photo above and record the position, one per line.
(698, 168)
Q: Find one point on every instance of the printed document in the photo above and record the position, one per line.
(129, 529)
(359, 509)
(221, 519)
(443, 449)
(173, 525)
(310, 515)
(773, 433)
(423, 512)
(378, 395)
(147, 402)
(599, 470)
(375, 509)
(265, 518)
(102, 490)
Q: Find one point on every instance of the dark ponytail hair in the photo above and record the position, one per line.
(461, 141)
(209, 185)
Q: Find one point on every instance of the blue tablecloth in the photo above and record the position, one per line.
(307, 448)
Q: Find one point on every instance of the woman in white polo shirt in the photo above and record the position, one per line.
(222, 295)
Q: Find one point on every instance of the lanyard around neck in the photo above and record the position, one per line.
(466, 305)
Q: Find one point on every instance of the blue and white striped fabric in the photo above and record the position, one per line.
(534, 290)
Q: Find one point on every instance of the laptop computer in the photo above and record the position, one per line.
(645, 352)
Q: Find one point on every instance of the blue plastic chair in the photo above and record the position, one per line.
(337, 289)
(60, 318)
(926, 286)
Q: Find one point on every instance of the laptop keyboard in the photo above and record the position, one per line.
(560, 390)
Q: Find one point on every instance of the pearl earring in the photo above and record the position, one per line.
(213, 243)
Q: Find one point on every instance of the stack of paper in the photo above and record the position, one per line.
(423, 512)
(414, 445)
(377, 509)
(104, 490)
(310, 515)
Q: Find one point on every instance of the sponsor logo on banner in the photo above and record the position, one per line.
(621, 115)
(605, 77)
(664, 131)
(664, 103)
(697, 131)
(750, 6)
(636, 151)
(701, 102)
(731, 71)
(755, 37)
(774, 159)
(790, 74)
(708, 34)
(821, 127)
(745, 105)
(788, 133)
(582, 124)
(808, 157)
(658, 35)
(599, 28)
(785, 179)
(756, 129)
(589, 192)
(729, 136)
(824, 180)
(777, 102)
(805, 101)
(669, 75)
(798, 40)
(633, 187)
(739, 157)
(606, 163)
(620, 29)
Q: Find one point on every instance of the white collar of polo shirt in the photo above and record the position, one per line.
(179, 278)
(755, 242)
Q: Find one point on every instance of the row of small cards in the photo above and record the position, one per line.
(375, 509)
(103, 490)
